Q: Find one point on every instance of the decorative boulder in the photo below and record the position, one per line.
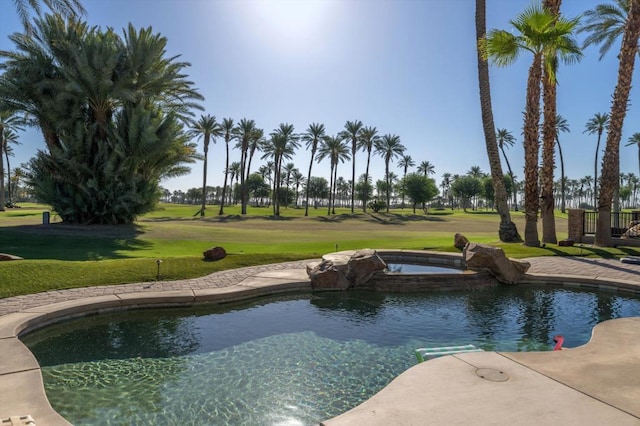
(493, 259)
(460, 241)
(214, 253)
(5, 256)
(566, 243)
(327, 276)
(362, 265)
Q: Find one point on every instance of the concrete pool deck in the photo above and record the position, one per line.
(595, 384)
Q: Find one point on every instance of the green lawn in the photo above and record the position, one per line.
(65, 256)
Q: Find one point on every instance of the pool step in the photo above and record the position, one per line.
(424, 354)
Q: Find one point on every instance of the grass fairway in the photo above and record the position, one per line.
(65, 256)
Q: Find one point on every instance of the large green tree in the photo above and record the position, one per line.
(111, 110)
(419, 189)
(543, 35)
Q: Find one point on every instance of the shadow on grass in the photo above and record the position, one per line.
(71, 242)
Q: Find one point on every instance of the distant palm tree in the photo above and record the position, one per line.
(367, 140)
(405, 162)
(561, 126)
(234, 173)
(227, 127)
(334, 148)
(244, 132)
(606, 24)
(476, 172)
(312, 137)
(9, 123)
(208, 129)
(505, 138)
(389, 147)
(297, 180)
(352, 131)
(9, 138)
(426, 168)
(597, 125)
(633, 140)
(66, 8)
(542, 34)
(281, 145)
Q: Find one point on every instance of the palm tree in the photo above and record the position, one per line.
(426, 168)
(561, 126)
(544, 35)
(353, 131)
(389, 147)
(597, 125)
(66, 8)
(281, 145)
(298, 179)
(507, 230)
(405, 162)
(9, 137)
(505, 138)
(570, 53)
(311, 137)
(227, 128)
(334, 148)
(234, 173)
(606, 23)
(208, 129)
(244, 132)
(256, 141)
(8, 124)
(633, 140)
(367, 140)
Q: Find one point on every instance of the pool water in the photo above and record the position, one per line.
(411, 268)
(290, 360)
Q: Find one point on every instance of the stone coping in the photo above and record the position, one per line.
(434, 389)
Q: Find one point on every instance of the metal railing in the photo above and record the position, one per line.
(620, 221)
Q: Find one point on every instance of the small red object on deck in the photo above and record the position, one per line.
(559, 339)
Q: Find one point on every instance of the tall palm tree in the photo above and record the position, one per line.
(66, 8)
(311, 137)
(244, 132)
(561, 126)
(597, 125)
(544, 35)
(405, 162)
(505, 138)
(426, 168)
(389, 147)
(633, 140)
(367, 140)
(605, 28)
(334, 148)
(8, 123)
(227, 127)
(256, 142)
(507, 230)
(281, 145)
(352, 131)
(208, 129)
(569, 52)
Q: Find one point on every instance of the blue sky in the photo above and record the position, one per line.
(407, 67)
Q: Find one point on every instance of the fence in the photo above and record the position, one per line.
(620, 221)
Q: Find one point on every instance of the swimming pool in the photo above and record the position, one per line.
(289, 360)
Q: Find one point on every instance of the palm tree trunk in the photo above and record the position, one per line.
(386, 169)
(366, 182)
(306, 203)
(9, 192)
(204, 175)
(595, 173)
(531, 147)
(507, 230)
(2, 200)
(513, 179)
(562, 178)
(335, 188)
(611, 159)
(353, 174)
(224, 185)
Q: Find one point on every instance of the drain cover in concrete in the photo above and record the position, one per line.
(492, 374)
